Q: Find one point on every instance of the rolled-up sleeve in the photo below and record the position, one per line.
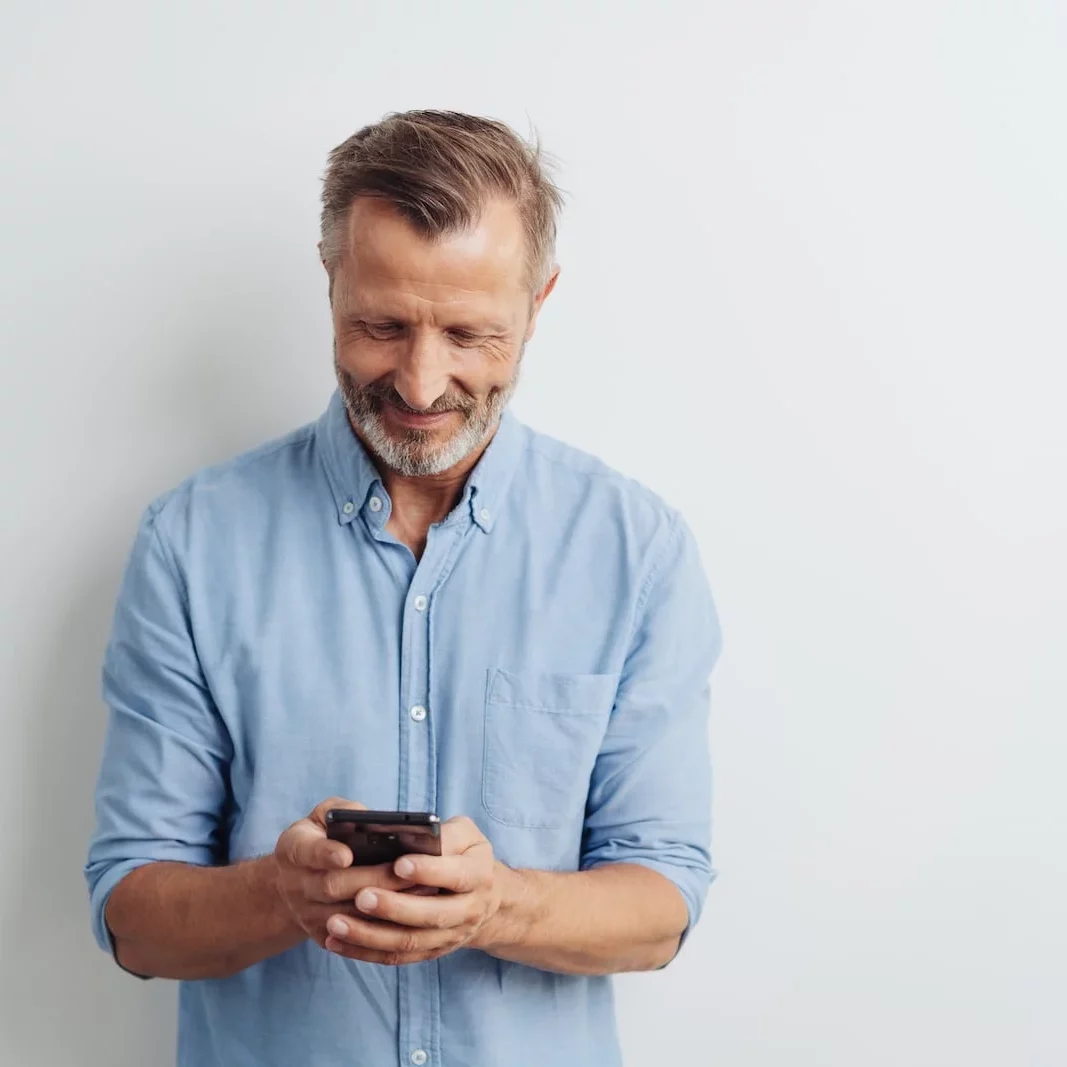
(650, 794)
(162, 782)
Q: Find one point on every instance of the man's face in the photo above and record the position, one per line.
(428, 334)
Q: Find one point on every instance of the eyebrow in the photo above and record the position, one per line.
(474, 325)
(481, 327)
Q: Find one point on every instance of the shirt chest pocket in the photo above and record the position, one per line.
(542, 736)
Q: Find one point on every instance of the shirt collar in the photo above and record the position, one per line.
(488, 482)
(352, 475)
(349, 470)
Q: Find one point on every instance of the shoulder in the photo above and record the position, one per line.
(575, 478)
(609, 519)
(246, 489)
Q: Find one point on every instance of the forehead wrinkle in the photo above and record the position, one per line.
(405, 302)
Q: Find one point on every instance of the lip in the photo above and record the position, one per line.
(416, 422)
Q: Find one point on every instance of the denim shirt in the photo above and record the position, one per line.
(543, 669)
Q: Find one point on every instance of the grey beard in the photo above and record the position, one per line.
(412, 455)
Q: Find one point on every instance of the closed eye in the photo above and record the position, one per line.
(464, 337)
(382, 331)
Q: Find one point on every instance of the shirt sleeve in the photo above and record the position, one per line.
(650, 793)
(162, 784)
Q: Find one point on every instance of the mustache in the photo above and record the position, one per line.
(387, 394)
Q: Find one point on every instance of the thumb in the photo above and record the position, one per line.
(318, 816)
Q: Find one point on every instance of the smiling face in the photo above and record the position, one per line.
(429, 333)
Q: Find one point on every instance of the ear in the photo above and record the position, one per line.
(329, 273)
(538, 301)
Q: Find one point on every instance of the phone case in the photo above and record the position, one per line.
(384, 836)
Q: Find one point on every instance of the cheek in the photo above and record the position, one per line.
(365, 361)
(483, 371)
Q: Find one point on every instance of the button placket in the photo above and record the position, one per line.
(419, 984)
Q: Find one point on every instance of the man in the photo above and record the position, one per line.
(415, 603)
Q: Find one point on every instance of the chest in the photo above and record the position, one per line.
(478, 680)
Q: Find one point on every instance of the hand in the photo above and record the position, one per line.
(315, 875)
(408, 928)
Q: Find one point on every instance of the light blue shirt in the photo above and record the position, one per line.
(543, 669)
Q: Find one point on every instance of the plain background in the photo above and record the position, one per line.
(813, 292)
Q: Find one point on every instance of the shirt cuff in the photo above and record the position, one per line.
(98, 898)
(692, 884)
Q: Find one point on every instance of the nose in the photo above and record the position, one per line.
(423, 373)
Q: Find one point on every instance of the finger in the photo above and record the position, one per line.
(459, 834)
(305, 844)
(383, 959)
(458, 874)
(409, 909)
(316, 916)
(330, 886)
(318, 816)
(385, 937)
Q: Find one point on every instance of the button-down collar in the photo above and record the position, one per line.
(356, 485)
(349, 470)
(489, 481)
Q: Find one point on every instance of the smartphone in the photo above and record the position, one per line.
(384, 836)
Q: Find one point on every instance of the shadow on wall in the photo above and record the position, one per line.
(66, 1003)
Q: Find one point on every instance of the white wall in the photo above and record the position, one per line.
(814, 270)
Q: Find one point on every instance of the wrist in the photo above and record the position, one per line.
(511, 921)
(270, 890)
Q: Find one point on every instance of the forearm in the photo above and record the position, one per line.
(173, 920)
(615, 918)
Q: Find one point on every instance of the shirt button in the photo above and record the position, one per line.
(375, 503)
(420, 603)
(349, 507)
(418, 713)
(485, 516)
(419, 1057)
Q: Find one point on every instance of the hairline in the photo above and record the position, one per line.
(332, 250)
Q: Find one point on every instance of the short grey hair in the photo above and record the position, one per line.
(439, 168)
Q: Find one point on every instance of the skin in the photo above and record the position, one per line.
(421, 327)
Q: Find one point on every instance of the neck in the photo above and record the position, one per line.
(419, 502)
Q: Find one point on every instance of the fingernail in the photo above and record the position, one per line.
(367, 900)
(337, 927)
(404, 868)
